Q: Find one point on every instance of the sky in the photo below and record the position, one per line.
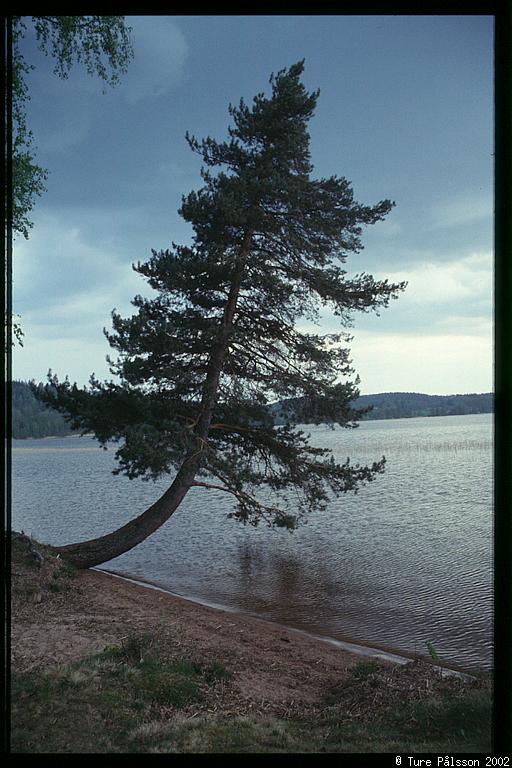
(405, 113)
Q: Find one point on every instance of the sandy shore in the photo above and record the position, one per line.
(269, 682)
(269, 662)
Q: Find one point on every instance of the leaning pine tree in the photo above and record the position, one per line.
(200, 364)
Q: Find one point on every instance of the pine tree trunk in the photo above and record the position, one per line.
(95, 551)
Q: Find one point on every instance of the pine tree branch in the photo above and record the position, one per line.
(249, 503)
(199, 484)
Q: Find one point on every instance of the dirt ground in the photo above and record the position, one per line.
(271, 681)
(93, 610)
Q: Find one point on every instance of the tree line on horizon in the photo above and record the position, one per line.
(30, 418)
(400, 405)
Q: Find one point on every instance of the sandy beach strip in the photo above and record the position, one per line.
(268, 662)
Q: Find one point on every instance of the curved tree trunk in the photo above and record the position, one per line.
(85, 554)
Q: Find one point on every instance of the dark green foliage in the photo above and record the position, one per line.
(28, 178)
(365, 668)
(33, 419)
(30, 418)
(199, 364)
(400, 405)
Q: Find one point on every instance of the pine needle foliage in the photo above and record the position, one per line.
(198, 365)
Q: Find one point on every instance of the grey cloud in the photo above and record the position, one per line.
(160, 50)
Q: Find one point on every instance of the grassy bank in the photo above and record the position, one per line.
(157, 690)
(116, 701)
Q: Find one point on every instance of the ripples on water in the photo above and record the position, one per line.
(405, 561)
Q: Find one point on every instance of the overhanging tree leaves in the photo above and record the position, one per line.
(100, 43)
(200, 363)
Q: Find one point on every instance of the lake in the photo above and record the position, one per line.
(406, 561)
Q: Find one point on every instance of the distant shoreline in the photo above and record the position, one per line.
(384, 418)
(54, 437)
(33, 420)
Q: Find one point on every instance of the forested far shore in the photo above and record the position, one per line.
(30, 418)
(400, 405)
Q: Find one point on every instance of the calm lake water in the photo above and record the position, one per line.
(405, 561)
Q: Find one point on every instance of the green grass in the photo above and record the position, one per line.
(97, 703)
(131, 698)
(363, 669)
(142, 696)
(443, 724)
(54, 574)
